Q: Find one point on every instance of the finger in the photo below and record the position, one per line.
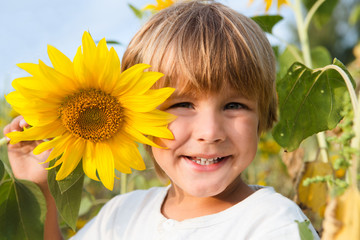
(23, 123)
(15, 124)
(7, 129)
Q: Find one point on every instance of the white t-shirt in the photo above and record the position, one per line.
(265, 214)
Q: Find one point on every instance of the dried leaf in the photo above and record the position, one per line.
(314, 196)
(348, 213)
(331, 225)
(293, 161)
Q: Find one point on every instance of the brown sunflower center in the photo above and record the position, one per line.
(91, 114)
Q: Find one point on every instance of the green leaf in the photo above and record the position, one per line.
(310, 101)
(290, 55)
(323, 14)
(22, 210)
(72, 179)
(267, 22)
(2, 170)
(113, 42)
(5, 160)
(138, 13)
(68, 201)
(338, 63)
(320, 57)
(305, 232)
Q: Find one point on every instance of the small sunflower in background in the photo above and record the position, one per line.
(161, 4)
(91, 111)
(270, 2)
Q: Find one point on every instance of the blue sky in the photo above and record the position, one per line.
(28, 26)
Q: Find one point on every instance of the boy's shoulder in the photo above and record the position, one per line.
(266, 198)
(270, 212)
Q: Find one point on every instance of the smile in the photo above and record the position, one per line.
(205, 161)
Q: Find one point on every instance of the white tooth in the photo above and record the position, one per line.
(198, 162)
(203, 159)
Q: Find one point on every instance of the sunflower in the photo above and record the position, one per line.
(88, 109)
(161, 4)
(269, 3)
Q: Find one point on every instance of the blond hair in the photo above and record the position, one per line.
(204, 46)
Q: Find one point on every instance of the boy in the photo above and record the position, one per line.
(223, 69)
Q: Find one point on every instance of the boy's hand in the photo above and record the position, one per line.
(24, 164)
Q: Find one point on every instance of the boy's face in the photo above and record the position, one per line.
(216, 137)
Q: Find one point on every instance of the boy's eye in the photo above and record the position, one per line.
(235, 105)
(182, 105)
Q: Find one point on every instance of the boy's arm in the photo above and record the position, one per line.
(51, 226)
(25, 165)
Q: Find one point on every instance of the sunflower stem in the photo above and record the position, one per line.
(3, 141)
(123, 180)
(311, 13)
(355, 142)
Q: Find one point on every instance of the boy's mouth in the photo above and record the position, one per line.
(205, 161)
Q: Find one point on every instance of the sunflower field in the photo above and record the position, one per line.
(311, 156)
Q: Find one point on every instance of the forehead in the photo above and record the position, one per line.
(224, 93)
(197, 88)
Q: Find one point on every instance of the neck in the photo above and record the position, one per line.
(179, 205)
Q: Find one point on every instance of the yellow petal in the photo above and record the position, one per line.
(268, 5)
(151, 123)
(145, 82)
(59, 148)
(82, 72)
(129, 78)
(126, 154)
(59, 140)
(137, 136)
(282, 2)
(61, 62)
(89, 48)
(160, 5)
(161, 132)
(31, 68)
(146, 102)
(57, 163)
(71, 158)
(150, 7)
(101, 56)
(105, 164)
(88, 162)
(109, 77)
(155, 118)
(60, 84)
(37, 133)
(45, 78)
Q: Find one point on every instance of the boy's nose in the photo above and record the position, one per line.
(209, 128)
